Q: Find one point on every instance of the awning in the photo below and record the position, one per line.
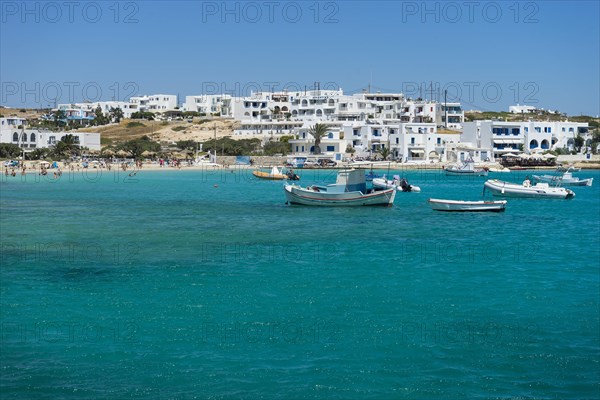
(507, 141)
(417, 151)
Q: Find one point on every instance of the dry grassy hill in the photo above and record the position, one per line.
(162, 131)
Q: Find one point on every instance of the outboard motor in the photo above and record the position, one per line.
(404, 185)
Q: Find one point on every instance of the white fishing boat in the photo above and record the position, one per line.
(467, 168)
(350, 189)
(565, 179)
(400, 185)
(473, 206)
(539, 190)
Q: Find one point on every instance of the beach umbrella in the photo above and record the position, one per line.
(509, 155)
(524, 156)
(122, 153)
(147, 153)
(547, 156)
(108, 152)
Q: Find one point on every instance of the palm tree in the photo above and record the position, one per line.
(318, 132)
(385, 152)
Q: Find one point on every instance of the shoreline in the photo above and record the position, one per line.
(33, 167)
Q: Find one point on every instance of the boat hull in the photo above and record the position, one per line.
(309, 197)
(467, 206)
(268, 176)
(507, 189)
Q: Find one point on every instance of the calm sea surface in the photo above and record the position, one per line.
(165, 286)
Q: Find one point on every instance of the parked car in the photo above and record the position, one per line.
(326, 162)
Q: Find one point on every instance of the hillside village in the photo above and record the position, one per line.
(367, 126)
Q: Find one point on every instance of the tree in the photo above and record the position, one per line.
(66, 147)
(100, 118)
(38, 154)
(318, 132)
(137, 146)
(143, 115)
(60, 117)
(116, 114)
(579, 141)
(9, 150)
(385, 153)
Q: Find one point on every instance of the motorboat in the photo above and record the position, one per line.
(350, 189)
(467, 168)
(539, 190)
(276, 174)
(565, 179)
(473, 206)
(400, 185)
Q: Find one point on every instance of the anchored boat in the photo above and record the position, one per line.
(565, 179)
(466, 168)
(275, 174)
(540, 190)
(350, 189)
(459, 205)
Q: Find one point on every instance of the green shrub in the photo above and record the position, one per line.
(134, 124)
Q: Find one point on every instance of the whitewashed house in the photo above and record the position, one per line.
(524, 136)
(153, 103)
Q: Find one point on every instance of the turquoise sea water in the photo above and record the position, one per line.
(165, 286)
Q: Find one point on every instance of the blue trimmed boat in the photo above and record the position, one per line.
(350, 189)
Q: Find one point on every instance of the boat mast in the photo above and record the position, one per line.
(215, 147)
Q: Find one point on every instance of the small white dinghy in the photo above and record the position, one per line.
(473, 206)
(400, 185)
(540, 190)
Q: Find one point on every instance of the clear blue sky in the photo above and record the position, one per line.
(489, 55)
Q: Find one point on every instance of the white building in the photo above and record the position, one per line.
(523, 136)
(153, 103)
(333, 145)
(209, 104)
(522, 109)
(261, 106)
(12, 131)
(420, 142)
(89, 109)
